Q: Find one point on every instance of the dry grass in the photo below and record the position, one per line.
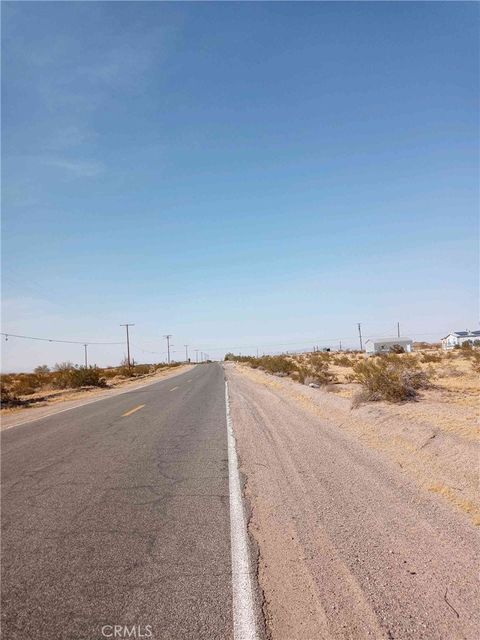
(452, 375)
(306, 368)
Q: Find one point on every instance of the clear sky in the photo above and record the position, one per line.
(237, 174)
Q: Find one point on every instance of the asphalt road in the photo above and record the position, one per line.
(117, 513)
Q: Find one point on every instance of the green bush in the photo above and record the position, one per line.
(391, 378)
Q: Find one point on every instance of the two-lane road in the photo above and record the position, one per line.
(117, 513)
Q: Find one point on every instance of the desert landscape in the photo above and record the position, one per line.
(354, 499)
(420, 409)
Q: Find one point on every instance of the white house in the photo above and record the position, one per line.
(385, 345)
(457, 338)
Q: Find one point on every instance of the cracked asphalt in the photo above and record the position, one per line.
(113, 519)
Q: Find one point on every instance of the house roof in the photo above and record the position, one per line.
(464, 334)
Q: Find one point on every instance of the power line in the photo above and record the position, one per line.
(14, 335)
(161, 353)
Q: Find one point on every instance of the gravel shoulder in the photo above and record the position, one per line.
(351, 545)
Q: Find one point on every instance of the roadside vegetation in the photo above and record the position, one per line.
(23, 389)
(306, 369)
(389, 377)
(394, 377)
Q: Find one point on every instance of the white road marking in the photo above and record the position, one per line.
(244, 623)
(174, 388)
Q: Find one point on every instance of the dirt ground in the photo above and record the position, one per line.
(364, 519)
(434, 440)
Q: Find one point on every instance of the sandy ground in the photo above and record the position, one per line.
(351, 545)
(434, 440)
(60, 401)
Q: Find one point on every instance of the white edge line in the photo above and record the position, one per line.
(77, 406)
(244, 623)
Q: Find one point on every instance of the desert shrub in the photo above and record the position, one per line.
(125, 372)
(389, 378)
(301, 374)
(26, 384)
(319, 368)
(141, 369)
(342, 361)
(278, 364)
(324, 356)
(7, 396)
(431, 357)
(41, 369)
(476, 361)
(79, 377)
(63, 366)
(86, 377)
(108, 374)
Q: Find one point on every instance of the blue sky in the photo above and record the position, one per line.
(237, 174)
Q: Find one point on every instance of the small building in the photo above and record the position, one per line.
(457, 338)
(387, 345)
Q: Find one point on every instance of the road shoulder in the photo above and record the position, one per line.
(349, 545)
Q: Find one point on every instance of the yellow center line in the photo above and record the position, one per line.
(128, 413)
(173, 388)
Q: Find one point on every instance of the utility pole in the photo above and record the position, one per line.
(398, 329)
(126, 325)
(86, 359)
(186, 352)
(196, 355)
(168, 346)
(360, 335)
(340, 345)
